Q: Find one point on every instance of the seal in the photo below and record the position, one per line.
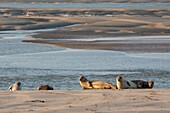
(45, 87)
(15, 86)
(124, 84)
(95, 84)
(143, 84)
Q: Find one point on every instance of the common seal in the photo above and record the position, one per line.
(124, 84)
(45, 87)
(15, 86)
(95, 84)
(143, 84)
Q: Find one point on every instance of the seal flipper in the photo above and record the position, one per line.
(90, 84)
(128, 83)
(10, 88)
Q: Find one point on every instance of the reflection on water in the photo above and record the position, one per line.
(35, 64)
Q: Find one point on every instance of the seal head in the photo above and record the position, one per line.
(150, 84)
(82, 78)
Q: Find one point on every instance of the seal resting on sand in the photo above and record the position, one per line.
(124, 84)
(95, 84)
(45, 87)
(143, 84)
(15, 86)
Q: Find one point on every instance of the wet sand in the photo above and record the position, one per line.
(87, 101)
(93, 23)
(112, 23)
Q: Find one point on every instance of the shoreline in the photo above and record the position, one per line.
(87, 1)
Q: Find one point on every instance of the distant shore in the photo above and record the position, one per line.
(86, 101)
(88, 1)
(142, 22)
(93, 23)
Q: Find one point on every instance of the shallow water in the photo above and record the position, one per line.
(85, 5)
(35, 64)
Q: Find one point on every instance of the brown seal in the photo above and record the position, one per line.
(45, 87)
(143, 84)
(124, 84)
(15, 86)
(95, 84)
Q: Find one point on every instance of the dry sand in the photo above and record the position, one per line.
(86, 101)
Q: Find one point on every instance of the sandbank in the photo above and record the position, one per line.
(93, 23)
(86, 101)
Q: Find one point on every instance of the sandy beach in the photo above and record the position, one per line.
(86, 101)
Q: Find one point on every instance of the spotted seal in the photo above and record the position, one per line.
(124, 84)
(15, 86)
(45, 87)
(143, 84)
(95, 84)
